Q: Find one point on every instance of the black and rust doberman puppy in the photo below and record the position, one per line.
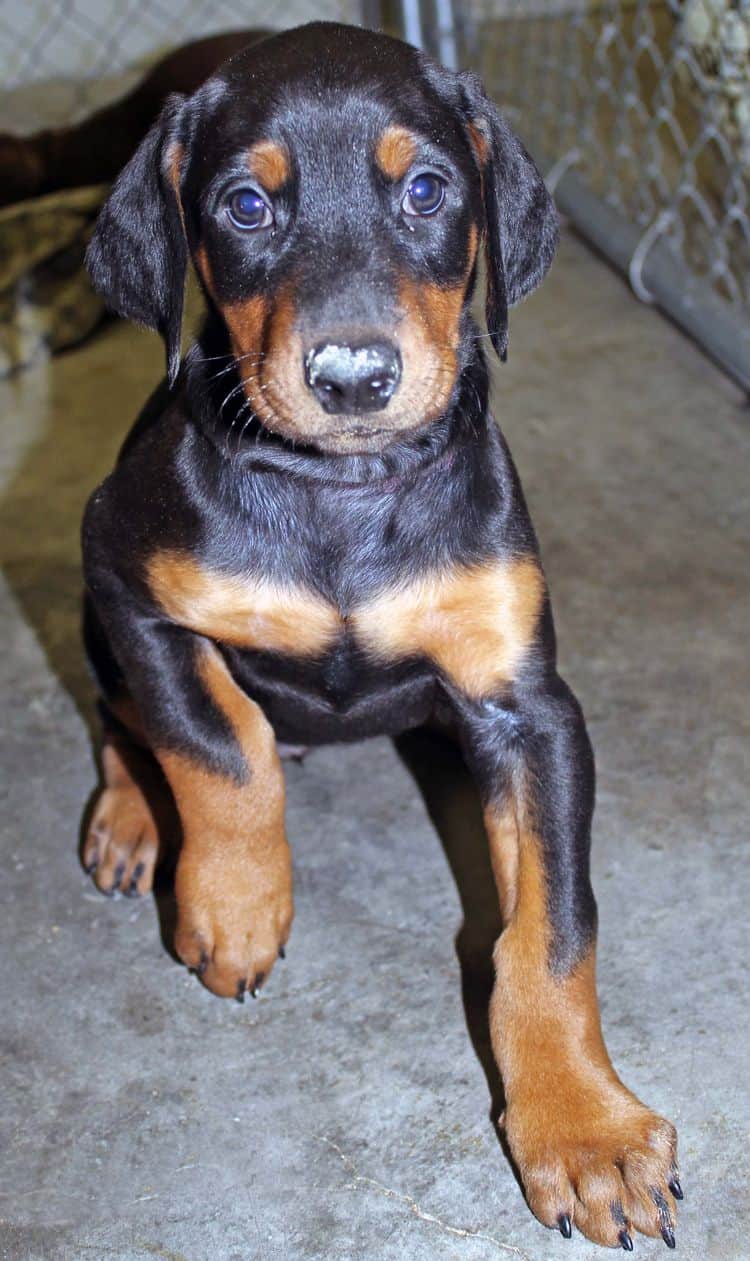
(315, 533)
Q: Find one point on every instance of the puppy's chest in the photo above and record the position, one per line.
(474, 624)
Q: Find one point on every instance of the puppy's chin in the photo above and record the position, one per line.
(357, 441)
(350, 437)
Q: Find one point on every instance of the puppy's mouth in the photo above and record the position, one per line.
(361, 431)
(355, 439)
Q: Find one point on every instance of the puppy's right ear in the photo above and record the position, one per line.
(137, 257)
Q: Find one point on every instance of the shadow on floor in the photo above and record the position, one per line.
(77, 433)
(453, 805)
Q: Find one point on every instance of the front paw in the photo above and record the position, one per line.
(598, 1159)
(234, 914)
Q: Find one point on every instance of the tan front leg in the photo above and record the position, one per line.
(588, 1152)
(234, 875)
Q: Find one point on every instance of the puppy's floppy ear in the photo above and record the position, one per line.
(137, 257)
(521, 224)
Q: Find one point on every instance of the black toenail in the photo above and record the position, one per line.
(625, 1241)
(566, 1230)
(241, 987)
(282, 952)
(665, 1218)
(92, 866)
(119, 873)
(203, 964)
(676, 1189)
(138, 871)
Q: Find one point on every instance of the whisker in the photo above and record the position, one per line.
(249, 354)
(245, 381)
(222, 371)
(493, 332)
(242, 431)
(235, 390)
(211, 358)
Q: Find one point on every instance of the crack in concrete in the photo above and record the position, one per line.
(413, 1205)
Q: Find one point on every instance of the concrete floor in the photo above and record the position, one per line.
(346, 1113)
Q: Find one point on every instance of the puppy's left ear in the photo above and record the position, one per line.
(137, 256)
(521, 223)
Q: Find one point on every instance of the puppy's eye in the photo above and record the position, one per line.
(424, 195)
(247, 210)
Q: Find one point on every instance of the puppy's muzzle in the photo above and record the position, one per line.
(353, 379)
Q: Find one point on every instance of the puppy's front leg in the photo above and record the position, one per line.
(587, 1150)
(234, 878)
(218, 752)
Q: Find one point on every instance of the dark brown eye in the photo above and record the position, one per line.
(424, 195)
(248, 211)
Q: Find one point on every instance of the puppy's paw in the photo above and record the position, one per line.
(122, 842)
(234, 916)
(596, 1159)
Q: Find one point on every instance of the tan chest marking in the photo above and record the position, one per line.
(234, 610)
(475, 624)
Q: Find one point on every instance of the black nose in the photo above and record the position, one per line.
(353, 379)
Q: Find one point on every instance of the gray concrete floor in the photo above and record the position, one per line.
(346, 1113)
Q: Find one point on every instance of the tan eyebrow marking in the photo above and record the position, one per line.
(395, 151)
(268, 162)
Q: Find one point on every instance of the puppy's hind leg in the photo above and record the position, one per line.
(134, 811)
(132, 816)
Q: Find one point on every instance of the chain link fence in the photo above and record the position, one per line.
(639, 113)
(62, 59)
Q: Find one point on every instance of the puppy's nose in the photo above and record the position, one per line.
(353, 378)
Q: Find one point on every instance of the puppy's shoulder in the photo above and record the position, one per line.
(146, 500)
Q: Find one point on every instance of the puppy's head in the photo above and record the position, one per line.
(332, 187)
